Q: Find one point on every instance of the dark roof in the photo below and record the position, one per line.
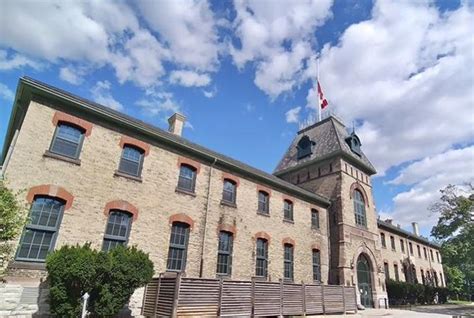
(28, 87)
(329, 136)
(395, 229)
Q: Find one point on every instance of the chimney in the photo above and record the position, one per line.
(176, 123)
(416, 230)
(389, 221)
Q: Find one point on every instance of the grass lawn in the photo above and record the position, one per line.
(459, 302)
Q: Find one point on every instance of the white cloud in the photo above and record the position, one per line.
(210, 93)
(402, 74)
(426, 177)
(6, 93)
(72, 75)
(189, 78)
(16, 61)
(293, 114)
(159, 103)
(102, 95)
(278, 39)
(188, 27)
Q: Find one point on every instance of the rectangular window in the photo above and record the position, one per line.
(424, 252)
(229, 191)
(67, 141)
(39, 234)
(288, 210)
(411, 248)
(316, 266)
(437, 257)
(178, 247)
(131, 161)
(392, 242)
(118, 229)
(314, 219)
(187, 178)
(263, 203)
(288, 262)
(382, 239)
(395, 269)
(423, 277)
(418, 250)
(387, 272)
(402, 246)
(261, 265)
(431, 253)
(224, 254)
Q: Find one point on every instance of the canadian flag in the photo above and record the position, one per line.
(323, 103)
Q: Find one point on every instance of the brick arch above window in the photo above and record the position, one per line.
(123, 206)
(182, 218)
(288, 240)
(228, 176)
(126, 140)
(52, 191)
(227, 228)
(66, 118)
(357, 186)
(190, 162)
(316, 246)
(262, 235)
(264, 189)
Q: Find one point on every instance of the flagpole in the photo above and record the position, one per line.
(317, 91)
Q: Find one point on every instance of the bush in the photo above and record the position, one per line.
(109, 278)
(401, 293)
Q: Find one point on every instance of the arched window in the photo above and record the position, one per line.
(118, 229)
(229, 192)
(288, 210)
(288, 261)
(131, 161)
(382, 239)
(40, 233)
(67, 140)
(261, 264)
(359, 208)
(178, 247)
(304, 147)
(316, 266)
(224, 254)
(314, 219)
(187, 178)
(263, 202)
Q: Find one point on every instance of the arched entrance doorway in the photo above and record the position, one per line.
(364, 280)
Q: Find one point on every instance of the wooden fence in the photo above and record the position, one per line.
(176, 296)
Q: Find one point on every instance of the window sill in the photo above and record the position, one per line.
(128, 176)
(27, 265)
(223, 276)
(261, 278)
(289, 221)
(314, 228)
(187, 192)
(263, 214)
(229, 204)
(49, 154)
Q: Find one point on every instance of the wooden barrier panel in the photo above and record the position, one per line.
(171, 295)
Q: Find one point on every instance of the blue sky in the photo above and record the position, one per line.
(243, 74)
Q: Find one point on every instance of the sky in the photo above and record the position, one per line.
(243, 73)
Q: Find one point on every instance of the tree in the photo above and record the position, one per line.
(12, 220)
(110, 278)
(455, 229)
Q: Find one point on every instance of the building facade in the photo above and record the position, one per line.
(91, 174)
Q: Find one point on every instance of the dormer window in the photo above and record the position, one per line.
(304, 147)
(354, 143)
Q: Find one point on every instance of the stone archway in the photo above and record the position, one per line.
(365, 284)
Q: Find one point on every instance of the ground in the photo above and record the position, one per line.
(434, 311)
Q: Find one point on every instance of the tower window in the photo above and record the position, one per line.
(354, 143)
(359, 209)
(304, 147)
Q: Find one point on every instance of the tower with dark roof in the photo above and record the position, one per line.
(327, 159)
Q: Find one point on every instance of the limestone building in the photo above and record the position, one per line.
(92, 174)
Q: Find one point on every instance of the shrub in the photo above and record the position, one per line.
(109, 278)
(401, 293)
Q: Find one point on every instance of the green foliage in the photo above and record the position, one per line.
(401, 293)
(455, 228)
(109, 278)
(12, 220)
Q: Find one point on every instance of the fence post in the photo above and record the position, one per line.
(303, 287)
(252, 294)
(176, 295)
(219, 306)
(344, 298)
(322, 297)
(157, 294)
(281, 297)
(355, 298)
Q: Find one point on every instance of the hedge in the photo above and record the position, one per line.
(402, 293)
